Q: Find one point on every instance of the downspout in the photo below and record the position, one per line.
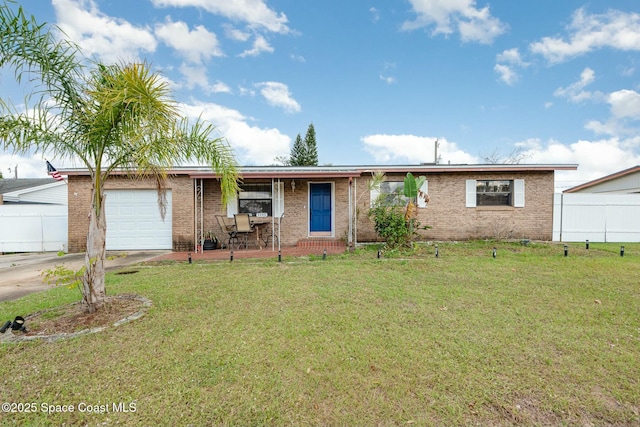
(279, 217)
(273, 204)
(195, 215)
(355, 211)
(202, 212)
(350, 238)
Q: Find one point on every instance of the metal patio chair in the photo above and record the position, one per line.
(243, 227)
(230, 229)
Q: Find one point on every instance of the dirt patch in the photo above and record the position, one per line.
(71, 320)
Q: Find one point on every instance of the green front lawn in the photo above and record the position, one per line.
(531, 337)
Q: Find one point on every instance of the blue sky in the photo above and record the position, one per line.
(382, 80)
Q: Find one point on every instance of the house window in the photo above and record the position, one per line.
(391, 193)
(486, 192)
(255, 199)
(494, 193)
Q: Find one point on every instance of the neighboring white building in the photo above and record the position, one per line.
(33, 215)
(603, 210)
(624, 182)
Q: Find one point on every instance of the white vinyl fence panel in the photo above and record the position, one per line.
(33, 228)
(596, 217)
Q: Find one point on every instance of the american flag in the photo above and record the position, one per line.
(53, 172)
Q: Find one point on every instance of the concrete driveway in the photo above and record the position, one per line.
(21, 274)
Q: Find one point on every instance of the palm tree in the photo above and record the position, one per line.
(117, 117)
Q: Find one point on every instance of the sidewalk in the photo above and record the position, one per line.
(21, 274)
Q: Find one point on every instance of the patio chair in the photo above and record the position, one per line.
(230, 229)
(243, 227)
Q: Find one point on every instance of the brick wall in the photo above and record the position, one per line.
(450, 219)
(295, 225)
(182, 208)
(446, 213)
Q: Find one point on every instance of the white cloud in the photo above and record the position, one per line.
(196, 76)
(255, 13)
(388, 79)
(413, 149)
(375, 14)
(277, 94)
(575, 92)
(473, 24)
(31, 166)
(260, 44)
(236, 34)
(110, 39)
(595, 158)
(507, 74)
(387, 68)
(588, 32)
(220, 87)
(511, 56)
(297, 58)
(246, 91)
(624, 106)
(195, 45)
(506, 63)
(252, 145)
(27, 167)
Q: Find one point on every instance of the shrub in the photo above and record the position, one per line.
(390, 224)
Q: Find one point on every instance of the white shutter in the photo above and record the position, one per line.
(232, 206)
(278, 198)
(425, 190)
(471, 193)
(518, 192)
(373, 195)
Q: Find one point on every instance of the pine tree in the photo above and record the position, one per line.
(298, 153)
(311, 148)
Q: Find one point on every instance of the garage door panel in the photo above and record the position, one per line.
(134, 221)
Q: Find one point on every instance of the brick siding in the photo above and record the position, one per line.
(450, 219)
(446, 212)
(182, 208)
(295, 224)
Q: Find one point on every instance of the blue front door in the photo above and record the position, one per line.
(320, 208)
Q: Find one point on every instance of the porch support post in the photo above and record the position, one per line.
(280, 216)
(195, 215)
(201, 237)
(274, 203)
(198, 189)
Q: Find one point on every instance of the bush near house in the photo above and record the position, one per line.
(398, 228)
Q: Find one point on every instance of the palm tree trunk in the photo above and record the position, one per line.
(93, 289)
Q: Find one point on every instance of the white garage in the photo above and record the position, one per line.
(134, 221)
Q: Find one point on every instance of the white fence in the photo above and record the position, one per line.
(33, 228)
(596, 217)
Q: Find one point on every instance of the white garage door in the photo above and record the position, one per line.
(134, 221)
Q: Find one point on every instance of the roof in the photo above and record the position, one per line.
(352, 170)
(608, 178)
(33, 191)
(11, 185)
